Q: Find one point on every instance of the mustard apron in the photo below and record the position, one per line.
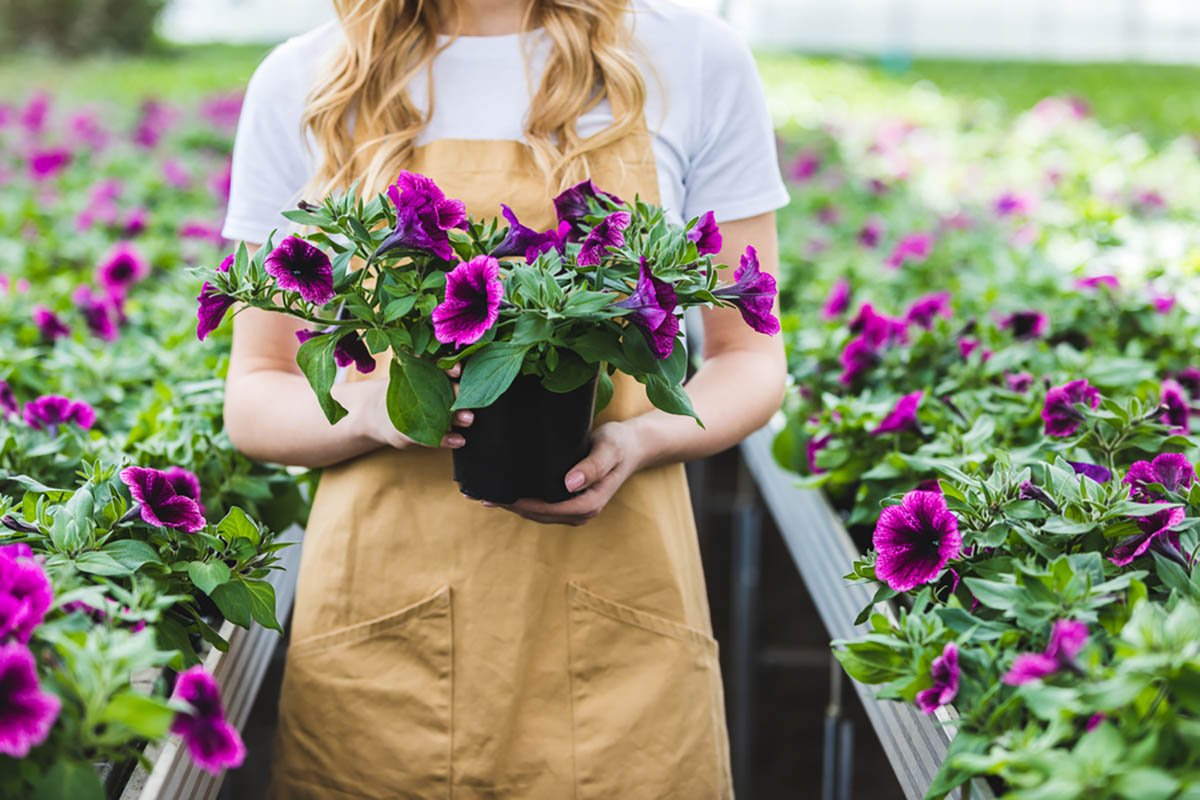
(443, 649)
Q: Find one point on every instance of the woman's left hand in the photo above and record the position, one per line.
(614, 457)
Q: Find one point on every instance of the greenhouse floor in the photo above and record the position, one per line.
(790, 687)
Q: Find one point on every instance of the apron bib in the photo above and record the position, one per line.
(442, 649)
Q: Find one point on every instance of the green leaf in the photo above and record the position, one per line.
(418, 399)
(262, 604)
(488, 373)
(236, 525)
(994, 594)
(132, 553)
(148, 717)
(208, 575)
(97, 562)
(604, 390)
(315, 359)
(670, 397)
(570, 373)
(65, 778)
(531, 329)
(233, 600)
(398, 308)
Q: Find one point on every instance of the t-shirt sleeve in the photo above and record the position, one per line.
(733, 167)
(270, 160)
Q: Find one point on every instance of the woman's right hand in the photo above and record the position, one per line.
(379, 428)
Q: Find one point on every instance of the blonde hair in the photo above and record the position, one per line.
(365, 125)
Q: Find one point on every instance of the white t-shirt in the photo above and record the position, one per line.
(714, 142)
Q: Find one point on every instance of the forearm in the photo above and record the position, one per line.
(734, 393)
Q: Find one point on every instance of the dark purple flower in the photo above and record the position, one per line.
(1094, 471)
(944, 672)
(45, 164)
(183, 481)
(8, 401)
(213, 743)
(1019, 381)
(902, 417)
(1026, 324)
(136, 221)
(1189, 378)
(925, 310)
(838, 300)
(609, 232)
(350, 349)
(652, 309)
(575, 203)
(815, 445)
(753, 292)
(871, 233)
(26, 712)
(523, 241)
(121, 268)
(160, 504)
(1094, 722)
(1172, 471)
(804, 166)
(967, 346)
(1155, 531)
(472, 304)
(423, 216)
(1067, 638)
(100, 313)
(298, 266)
(25, 594)
(879, 329)
(706, 235)
(914, 540)
(51, 327)
(1031, 491)
(1094, 282)
(1175, 406)
(857, 357)
(1060, 413)
(51, 410)
(914, 247)
(213, 304)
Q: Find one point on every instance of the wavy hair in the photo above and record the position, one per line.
(365, 124)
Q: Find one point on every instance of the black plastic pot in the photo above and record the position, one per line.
(523, 444)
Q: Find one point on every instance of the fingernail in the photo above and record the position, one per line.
(466, 417)
(455, 440)
(575, 480)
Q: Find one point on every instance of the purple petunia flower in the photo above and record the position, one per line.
(804, 166)
(213, 743)
(915, 540)
(298, 266)
(350, 349)
(944, 672)
(1060, 414)
(51, 410)
(925, 310)
(1175, 406)
(608, 233)
(914, 247)
(858, 356)
(183, 481)
(49, 324)
(1189, 378)
(706, 235)
(838, 300)
(871, 233)
(423, 216)
(1155, 532)
(158, 501)
(121, 268)
(652, 306)
(902, 417)
(472, 304)
(1019, 381)
(1172, 471)
(35, 114)
(814, 446)
(1067, 638)
(135, 221)
(967, 346)
(99, 313)
(1026, 324)
(1096, 281)
(45, 164)
(1094, 471)
(25, 594)
(879, 329)
(8, 401)
(26, 712)
(523, 241)
(575, 203)
(753, 292)
(213, 304)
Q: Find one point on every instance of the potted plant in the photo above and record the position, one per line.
(540, 320)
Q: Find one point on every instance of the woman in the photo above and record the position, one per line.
(441, 647)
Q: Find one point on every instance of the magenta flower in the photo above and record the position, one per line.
(915, 247)
(1155, 532)
(183, 481)
(1018, 381)
(902, 417)
(574, 204)
(753, 292)
(857, 357)
(1163, 303)
(213, 304)
(35, 114)
(804, 166)
(609, 232)
(349, 349)
(1172, 471)
(25, 594)
(1189, 378)
(175, 174)
(121, 268)
(706, 235)
(87, 130)
(101, 314)
(221, 182)
(1026, 324)
(1011, 204)
(159, 503)
(45, 164)
(652, 310)
(1061, 413)
(153, 121)
(135, 222)
(51, 327)
(423, 216)
(222, 110)
(26, 712)
(52, 410)
(838, 300)
(925, 310)
(472, 304)
(828, 215)
(1094, 471)
(871, 233)
(1175, 406)
(967, 346)
(298, 266)
(1096, 281)
(944, 672)
(814, 446)
(8, 401)
(1067, 638)
(915, 540)
(523, 241)
(879, 329)
(213, 743)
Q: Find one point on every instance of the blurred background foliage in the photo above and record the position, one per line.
(74, 27)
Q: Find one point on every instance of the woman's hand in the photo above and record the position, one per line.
(615, 456)
(377, 426)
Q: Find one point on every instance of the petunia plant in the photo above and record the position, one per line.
(411, 273)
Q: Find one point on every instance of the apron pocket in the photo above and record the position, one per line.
(646, 704)
(365, 710)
